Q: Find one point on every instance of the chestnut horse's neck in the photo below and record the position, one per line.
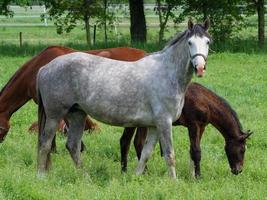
(225, 119)
(10, 99)
(21, 86)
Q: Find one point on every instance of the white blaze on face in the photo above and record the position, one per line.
(199, 45)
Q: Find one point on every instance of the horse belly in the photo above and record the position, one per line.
(118, 114)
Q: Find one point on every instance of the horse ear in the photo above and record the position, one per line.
(249, 133)
(246, 135)
(206, 24)
(190, 24)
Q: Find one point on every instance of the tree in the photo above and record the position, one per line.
(4, 6)
(67, 14)
(259, 5)
(165, 10)
(4, 9)
(224, 15)
(107, 18)
(138, 22)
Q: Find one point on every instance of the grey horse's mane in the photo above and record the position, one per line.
(197, 29)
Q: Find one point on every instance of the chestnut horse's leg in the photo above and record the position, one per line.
(195, 134)
(125, 145)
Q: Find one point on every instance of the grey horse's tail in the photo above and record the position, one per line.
(41, 114)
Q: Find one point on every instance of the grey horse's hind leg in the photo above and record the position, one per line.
(44, 145)
(151, 140)
(76, 119)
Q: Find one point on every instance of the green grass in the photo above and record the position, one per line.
(238, 77)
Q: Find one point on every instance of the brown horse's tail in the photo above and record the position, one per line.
(41, 114)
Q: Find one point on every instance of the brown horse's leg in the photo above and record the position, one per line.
(139, 141)
(125, 145)
(195, 133)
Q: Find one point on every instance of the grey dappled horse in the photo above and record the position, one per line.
(146, 93)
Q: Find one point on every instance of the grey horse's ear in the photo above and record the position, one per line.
(206, 24)
(190, 24)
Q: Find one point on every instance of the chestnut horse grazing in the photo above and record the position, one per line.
(149, 92)
(22, 85)
(201, 107)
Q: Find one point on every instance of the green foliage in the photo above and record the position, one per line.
(4, 6)
(168, 9)
(225, 16)
(4, 10)
(68, 14)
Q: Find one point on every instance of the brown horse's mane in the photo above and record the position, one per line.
(16, 75)
(226, 105)
(13, 78)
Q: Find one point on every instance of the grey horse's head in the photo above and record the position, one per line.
(198, 41)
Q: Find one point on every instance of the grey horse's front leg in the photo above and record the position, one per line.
(151, 140)
(165, 137)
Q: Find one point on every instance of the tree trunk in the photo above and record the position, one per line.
(138, 21)
(105, 25)
(161, 34)
(260, 11)
(87, 29)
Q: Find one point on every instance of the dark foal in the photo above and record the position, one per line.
(201, 107)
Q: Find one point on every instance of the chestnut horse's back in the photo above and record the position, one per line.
(120, 53)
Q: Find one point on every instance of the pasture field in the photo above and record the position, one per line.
(237, 76)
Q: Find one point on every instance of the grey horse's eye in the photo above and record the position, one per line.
(208, 42)
(189, 43)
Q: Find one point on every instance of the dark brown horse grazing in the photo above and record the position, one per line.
(201, 107)
(22, 85)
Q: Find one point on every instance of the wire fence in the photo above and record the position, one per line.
(31, 16)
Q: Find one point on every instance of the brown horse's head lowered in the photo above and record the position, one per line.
(235, 151)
